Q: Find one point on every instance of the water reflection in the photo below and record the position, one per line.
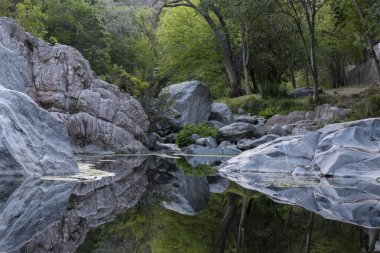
(153, 204)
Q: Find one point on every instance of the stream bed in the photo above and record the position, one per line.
(156, 203)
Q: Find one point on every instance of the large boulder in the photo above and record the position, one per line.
(32, 141)
(192, 100)
(326, 113)
(364, 72)
(61, 81)
(239, 130)
(221, 112)
(341, 150)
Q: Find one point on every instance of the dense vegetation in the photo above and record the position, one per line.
(235, 47)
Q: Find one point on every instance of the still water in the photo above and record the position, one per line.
(159, 204)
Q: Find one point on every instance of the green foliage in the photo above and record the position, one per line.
(188, 50)
(7, 8)
(368, 108)
(203, 130)
(272, 90)
(31, 17)
(256, 105)
(127, 83)
(200, 171)
(269, 111)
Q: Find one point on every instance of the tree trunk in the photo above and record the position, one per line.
(226, 222)
(254, 82)
(370, 42)
(245, 49)
(292, 76)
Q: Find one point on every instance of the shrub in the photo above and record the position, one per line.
(183, 137)
(273, 90)
(269, 112)
(369, 108)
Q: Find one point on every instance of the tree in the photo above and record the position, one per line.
(369, 37)
(211, 11)
(306, 10)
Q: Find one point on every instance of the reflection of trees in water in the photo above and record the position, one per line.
(260, 225)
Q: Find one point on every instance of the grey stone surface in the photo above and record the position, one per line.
(349, 200)
(166, 146)
(239, 130)
(207, 142)
(224, 144)
(32, 141)
(221, 112)
(245, 144)
(301, 92)
(364, 72)
(192, 100)
(49, 225)
(326, 113)
(283, 120)
(278, 130)
(216, 124)
(190, 194)
(60, 80)
(13, 71)
(247, 119)
(341, 150)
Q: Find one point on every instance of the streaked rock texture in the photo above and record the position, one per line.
(32, 141)
(99, 116)
(192, 102)
(221, 112)
(349, 149)
(56, 216)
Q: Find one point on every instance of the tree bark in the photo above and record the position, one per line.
(226, 222)
(254, 82)
(245, 49)
(370, 42)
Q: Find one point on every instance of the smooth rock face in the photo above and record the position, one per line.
(32, 141)
(221, 112)
(301, 92)
(239, 130)
(13, 71)
(60, 80)
(192, 100)
(341, 150)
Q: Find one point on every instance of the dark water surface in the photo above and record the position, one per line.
(157, 204)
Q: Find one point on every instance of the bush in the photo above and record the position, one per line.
(273, 90)
(183, 137)
(369, 108)
(269, 112)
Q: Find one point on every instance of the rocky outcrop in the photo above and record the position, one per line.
(32, 141)
(349, 149)
(191, 102)
(99, 116)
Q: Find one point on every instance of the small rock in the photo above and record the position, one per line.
(194, 137)
(245, 144)
(277, 129)
(207, 142)
(224, 144)
(239, 130)
(221, 112)
(171, 138)
(216, 124)
(247, 119)
(166, 146)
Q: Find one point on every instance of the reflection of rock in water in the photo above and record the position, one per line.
(177, 192)
(30, 209)
(345, 199)
(92, 204)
